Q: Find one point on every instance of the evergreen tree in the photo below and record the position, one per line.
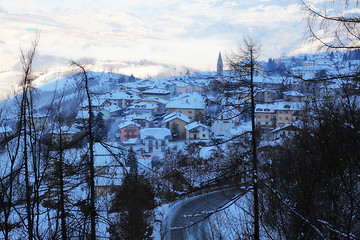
(99, 127)
(133, 202)
(175, 134)
(131, 161)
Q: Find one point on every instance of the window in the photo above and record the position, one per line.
(266, 116)
(203, 135)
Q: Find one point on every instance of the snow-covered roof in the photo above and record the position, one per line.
(279, 106)
(102, 155)
(181, 84)
(176, 115)
(95, 102)
(286, 127)
(128, 123)
(156, 91)
(196, 125)
(138, 117)
(294, 94)
(155, 133)
(267, 80)
(112, 108)
(188, 101)
(143, 105)
(122, 95)
(241, 129)
(155, 99)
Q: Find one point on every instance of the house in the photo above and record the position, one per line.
(177, 120)
(65, 137)
(183, 88)
(143, 108)
(287, 130)
(155, 140)
(109, 171)
(159, 93)
(294, 96)
(122, 87)
(159, 102)
(277, 114)
(265, 115)
(111, 112)
(122, 99)
(191, 105)
(268, 83)
(265, 96)
(129, 130)
(197, 131)
(96, 104)
(241, 133)
(144, 121)
(222, 124)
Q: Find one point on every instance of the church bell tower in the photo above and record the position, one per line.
(220, 65)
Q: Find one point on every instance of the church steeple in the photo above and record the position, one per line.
(220, 65)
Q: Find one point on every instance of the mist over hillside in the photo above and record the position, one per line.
(48, 68)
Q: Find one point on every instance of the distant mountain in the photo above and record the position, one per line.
(44, 62)
(141, 69)
(48, 68)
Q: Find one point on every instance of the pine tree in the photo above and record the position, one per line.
(175, 134)
(131, 161)
(133, 201)
(99, 127)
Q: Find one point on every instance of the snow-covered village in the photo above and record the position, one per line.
(255, 148)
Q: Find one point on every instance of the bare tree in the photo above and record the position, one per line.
(333, 26)
(90, 134)
(236, 98)
(25, 130)
(244, 63)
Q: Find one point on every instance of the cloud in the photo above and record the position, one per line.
(185, 32)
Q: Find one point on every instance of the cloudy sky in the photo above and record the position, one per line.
(180, 32)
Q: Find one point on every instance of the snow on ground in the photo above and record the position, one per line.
(233, 222)
(9, 81)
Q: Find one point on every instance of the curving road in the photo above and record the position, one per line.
(187, 219)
